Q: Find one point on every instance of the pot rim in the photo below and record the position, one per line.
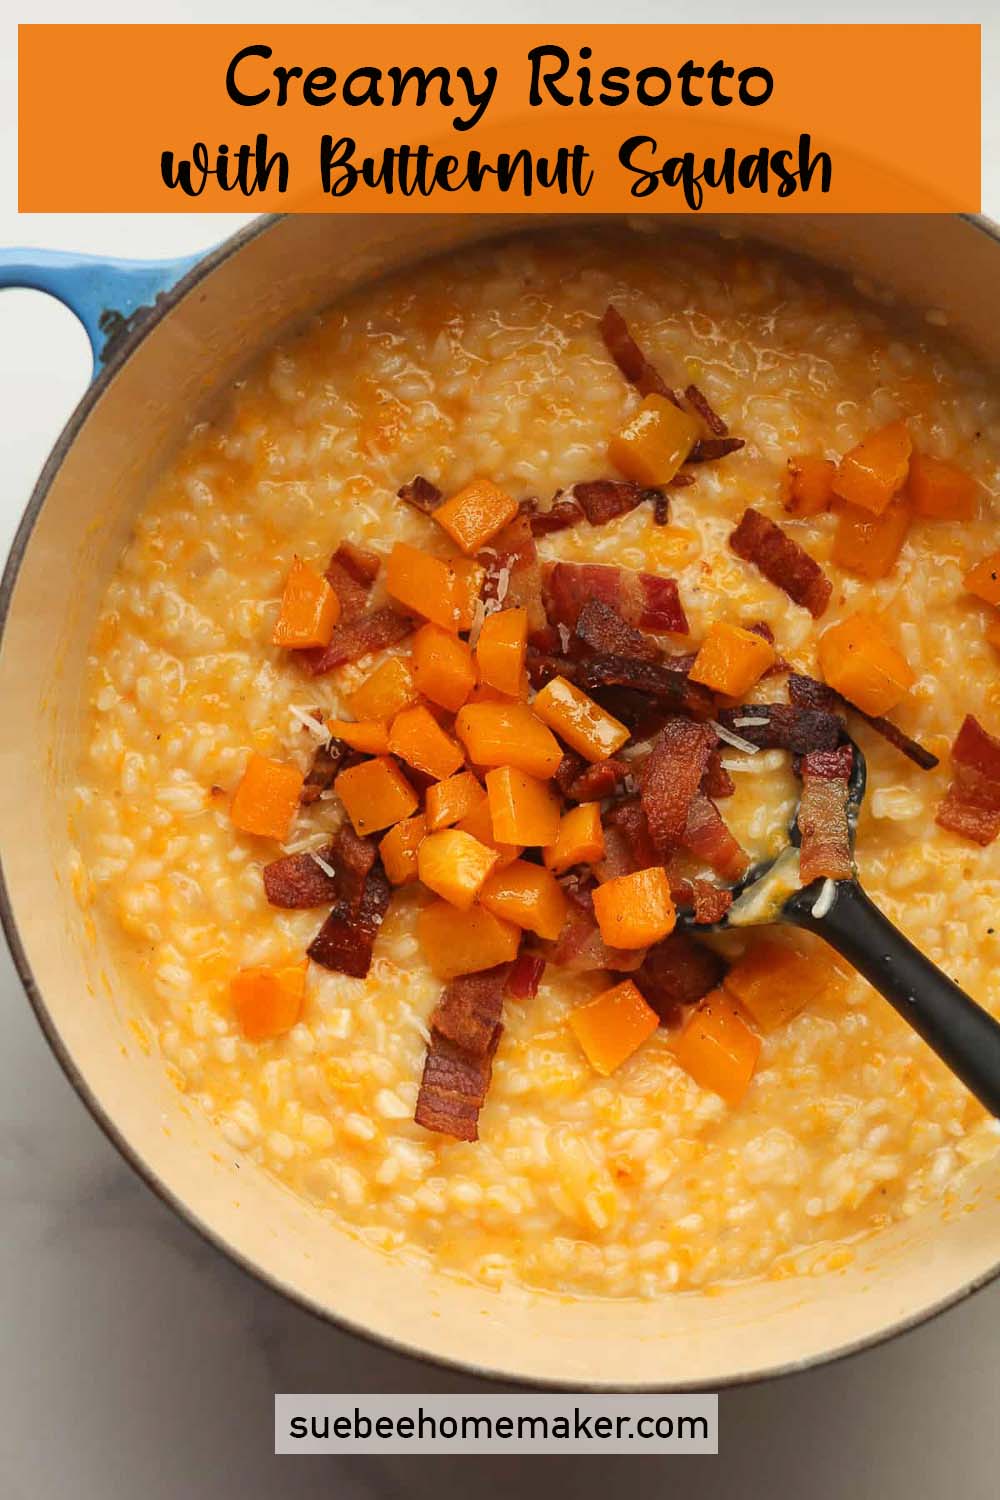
(210, 1236)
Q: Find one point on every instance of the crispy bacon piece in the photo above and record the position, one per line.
(676, 973)
(782, 561)
(597, 781)
(580, 947)
(469, 1010)
(525, 976)
(717, 781)
(602, 628)
(453, 1088)
(421, 494)
(299, 881)
(807, 692)
(628, 818)
(972, 804)
(604, 500)
(709, 902)
(346, 940)
(699, 402)
(670, 779)
(371, 632)
(661, 505)
(664, 682)
(350, 580)
(629, 358)
(644, 600)
(513, 572)
(810, 693)
(328, 760)
(561, 514)
(708, 450)
(783, 726)
(707, 837)
(826, 837)
(912, 749)
(360, 562)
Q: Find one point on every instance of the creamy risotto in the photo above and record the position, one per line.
(492, 364)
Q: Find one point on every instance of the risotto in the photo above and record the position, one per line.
(608, 1162)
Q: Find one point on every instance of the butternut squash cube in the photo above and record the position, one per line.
(867, 544)
(309, 609)
(773, 983)
(268, 1001)
(417, 737)
(448, 802)
(376, 794)
(636, 910)
(501, 650)
(652, 446)
(479, 823)
(443, 592)
(475, 515)
(612, 1026)
(984, 579)
(583, 724)
(454, 866)
(809, 485)
(732, 659)
(873, 472)
(529, 896)
(523, 810)
(267, 798)
(508, 734)
(398, 849)
(443, 668)
(385, 692)
(580, 840)
(464, 942)
(369, 735)
(941, 491)
(717, 1048)
(857, 658)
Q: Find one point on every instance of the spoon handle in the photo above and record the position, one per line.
(963, 1035)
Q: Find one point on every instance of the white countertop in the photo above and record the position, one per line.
(135, 1361)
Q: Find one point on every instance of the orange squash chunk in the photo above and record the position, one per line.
(634, 911)
(529, 896)
(267, 798)
(867, 544)
(857, 658)
(464, 942)
(941, 491)
(501, 650)
(612, 1026)
(376, 794)
(583, 724)
(808, 485)
(652, 446)
(417, 737)
(717, 1048)
(732, 659)
(580, 840)
(309, 609)
(873, 472)
(268, 1002)
(523, 810)
(368, 735)
(442, 592)
(454, 866)
(398, 849)
(475, 515)
(508, 734)
(385, 693)
(443, 668)
(448, 802)
(984, 579)
(773, 983)
(479, 823)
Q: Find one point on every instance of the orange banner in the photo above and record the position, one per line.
(818, 119)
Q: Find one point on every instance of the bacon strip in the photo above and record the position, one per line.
(783, 726)
(597, 782)
(707, 837)
(972, 804)
(707, 450)
(717, 781)
(511, 563)
(644, 600)
(297, 881)
(561, 514)
(525, 976)
(346, 940)
(327, 761)
(676, 973)
(348, 574)
(671, 777)
(709, 902)
(580, 947)
(421, 494)
(469, 1010)
(383, 627)
(604, 500)
(664, 682)
(453, 1088)
(602, 628)
(360, 562)
(822, 818)
(782, 561)
(808, 692)
(629, 358)
(699, 402)
(628, 819)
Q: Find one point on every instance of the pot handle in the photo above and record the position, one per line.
(110, 297)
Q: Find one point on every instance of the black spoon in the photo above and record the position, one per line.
(964, 1036)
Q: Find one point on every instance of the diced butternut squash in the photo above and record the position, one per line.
(583, 724)
(267, 798)
(369, 735)
(875, 471)
(773, 982)
(443, 668)
(479, 823)
(580, 840)
(464, 942)
(529, 896)
(268, 1001)
(984, 580)
(809, 485)
(612, 1026)
(652, 446)
(858, 659)
(448, 802)
(501, 650)
(443, 592)
(508, 734)
(386, 692)
(454, 866)
(636, 910)
(732, 659)
(309, 609)
(523, 810)
(717, 1048)
(475, 515)
(867, 544)
(417, 737)
(941, 491)
(376, 794)
(398, 849)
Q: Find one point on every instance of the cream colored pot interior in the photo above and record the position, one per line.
(272, 279)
